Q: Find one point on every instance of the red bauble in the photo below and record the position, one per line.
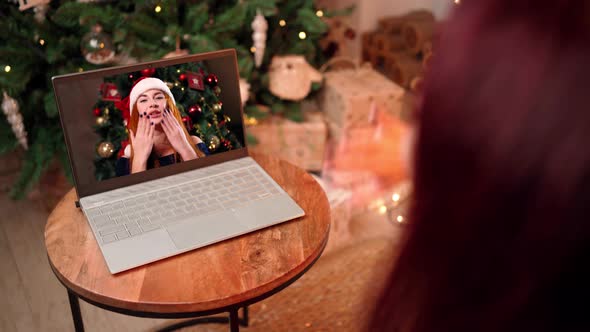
(188, 123)
(226, 143)
(97, 112)
(195, 111)
(211, 80)
(148, 72)
(182, 77)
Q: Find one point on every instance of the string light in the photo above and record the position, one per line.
(42, 41)
(177, 70)
(382, 209)
(302, 35)
(399, 218)
(319, 13)
(80, 69)
(7, 69)
(282, 23)
(253, 49)
(101, 45)
(457, 2)
(158, 9)
(395, 197)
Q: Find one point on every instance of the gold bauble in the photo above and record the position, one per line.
(227, 118)
(216, 107)
(106, 111)
(105, 149)
(101, 120)
(213, 142)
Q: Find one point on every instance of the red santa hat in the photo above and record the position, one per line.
(147, 83)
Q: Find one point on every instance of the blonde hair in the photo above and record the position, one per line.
(134, 120)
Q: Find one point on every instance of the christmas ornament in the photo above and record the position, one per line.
(148, 72)
(195, 81)
(217, 107)
(226, 118)
(97, 46)
(101, 120)
(244, 90)
(188, 123)
(217, 90)
(259, 28)
(105, 149)
(291, 77)
(182, 77)
(97, 112)
(195, 112)
(26, 4)
(211, 80)
(213, 143)
(226, 143)
(109, 92)
(11, 108)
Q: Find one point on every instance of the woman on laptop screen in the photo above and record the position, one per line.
(157, 136)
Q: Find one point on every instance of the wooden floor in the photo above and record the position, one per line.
(34, 300)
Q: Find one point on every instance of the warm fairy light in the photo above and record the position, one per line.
(7, 68)
(382, 209)
(42, 41)
(158, 9)
(253, 49)
(395, 197)
(399, 218)
(182, 89)
(178, 70)
(302, 35)
(176, 84)
(282, 23)
(101, 45)
(80, 69)
(457, 2)
(319, 13)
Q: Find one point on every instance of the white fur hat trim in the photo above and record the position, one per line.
(148, 84)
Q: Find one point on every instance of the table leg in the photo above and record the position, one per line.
(76, 314)
(234, 320)
(245, 319)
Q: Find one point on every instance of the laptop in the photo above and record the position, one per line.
(176, 202)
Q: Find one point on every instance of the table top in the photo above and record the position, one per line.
(224, 274)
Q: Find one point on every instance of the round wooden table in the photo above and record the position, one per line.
(222, 277)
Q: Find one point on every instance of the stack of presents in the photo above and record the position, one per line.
(345, 106)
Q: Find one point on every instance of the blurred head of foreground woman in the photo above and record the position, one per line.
(499, 238)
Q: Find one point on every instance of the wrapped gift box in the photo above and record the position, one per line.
(347, 95)
(301, 143)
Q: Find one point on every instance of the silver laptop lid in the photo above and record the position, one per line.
(77, 96)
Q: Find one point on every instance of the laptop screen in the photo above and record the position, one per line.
(135, 123)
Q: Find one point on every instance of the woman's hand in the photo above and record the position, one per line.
(176, 136)
(142, 142)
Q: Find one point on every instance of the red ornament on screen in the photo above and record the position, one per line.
(211, 80)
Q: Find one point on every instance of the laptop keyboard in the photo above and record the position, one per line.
(153, 210)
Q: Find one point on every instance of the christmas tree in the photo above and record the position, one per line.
(59, 37)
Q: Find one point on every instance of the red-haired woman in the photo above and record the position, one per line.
(499, 238)
(157, 135)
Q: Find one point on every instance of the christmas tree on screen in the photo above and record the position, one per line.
(46, 38)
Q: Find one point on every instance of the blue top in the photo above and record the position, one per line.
(122, 165)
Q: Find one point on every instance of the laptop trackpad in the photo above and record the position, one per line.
(205, 230)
